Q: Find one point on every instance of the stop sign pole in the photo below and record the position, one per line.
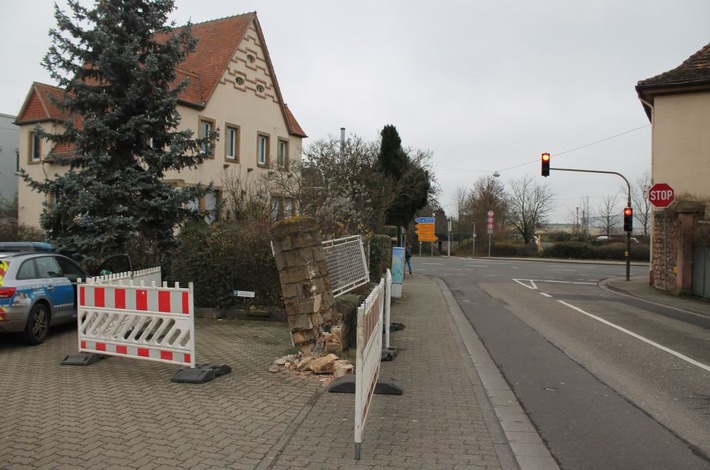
(627, 254)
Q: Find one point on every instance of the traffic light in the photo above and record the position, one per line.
(628, 219)
(545, 164)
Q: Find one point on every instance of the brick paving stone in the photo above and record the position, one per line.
(437, 423)
(126, 413)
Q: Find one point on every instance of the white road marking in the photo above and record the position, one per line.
(552, 281)
(639, 337)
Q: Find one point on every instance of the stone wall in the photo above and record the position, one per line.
(673, 244)
(664, 261)
(305, 284)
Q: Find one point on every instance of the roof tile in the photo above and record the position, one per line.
(217, 43)
(693, 71)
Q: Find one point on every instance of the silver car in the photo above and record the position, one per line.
(38, 291)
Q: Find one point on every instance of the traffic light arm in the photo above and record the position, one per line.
(628, 204)
(628, 186)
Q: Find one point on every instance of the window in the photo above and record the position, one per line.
(262, 150)
(206, 127)
(208, 206)
(231, 144)
(282, 157)
(27, 270)
(47, 267)
(283, 207)
(35, 147)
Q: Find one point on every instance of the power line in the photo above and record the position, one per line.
(536, 160)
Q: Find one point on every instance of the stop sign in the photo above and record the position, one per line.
(661, 195)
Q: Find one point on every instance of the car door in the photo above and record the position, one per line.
(73, 272)
(58, 288)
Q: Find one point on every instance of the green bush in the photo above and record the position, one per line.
(380, 256)
(609, 251)
(569, 250)
(513, 249)
(227, 256)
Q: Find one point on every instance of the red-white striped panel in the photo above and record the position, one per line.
(135, 298)
(155, 354)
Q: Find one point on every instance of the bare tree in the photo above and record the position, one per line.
(487, 194)
(530, 204)
(608, 214)
(640, 201)
(461, 216)
(244, 197)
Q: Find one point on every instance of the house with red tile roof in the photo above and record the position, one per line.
(232, 89)
(677, 103)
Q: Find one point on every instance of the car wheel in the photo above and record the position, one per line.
(37, 324)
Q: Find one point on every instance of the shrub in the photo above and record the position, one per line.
(513, 249)
(572, 250)
(227, 256)
(380, 256)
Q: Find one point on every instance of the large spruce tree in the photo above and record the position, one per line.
(408, 182)
(116, 62)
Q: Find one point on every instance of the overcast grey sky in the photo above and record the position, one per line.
(484, 85)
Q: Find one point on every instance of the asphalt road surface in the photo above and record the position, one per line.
(609, 381)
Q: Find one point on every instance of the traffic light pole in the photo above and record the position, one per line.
(627, 255)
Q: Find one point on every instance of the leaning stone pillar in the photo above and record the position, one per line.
(305, 284)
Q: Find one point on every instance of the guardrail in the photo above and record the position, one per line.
(347, 265)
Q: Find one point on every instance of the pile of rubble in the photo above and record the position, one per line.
(327, 364)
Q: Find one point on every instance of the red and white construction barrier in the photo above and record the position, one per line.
(152, 323)
(368, 355)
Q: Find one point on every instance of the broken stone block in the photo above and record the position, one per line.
(323, 364)
(342, 367)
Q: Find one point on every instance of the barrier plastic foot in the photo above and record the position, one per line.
(388, 354)
(201, 373)
(346, 384)
(396, 326)
(81, 359)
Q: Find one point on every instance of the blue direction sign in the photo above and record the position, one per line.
(425, 220)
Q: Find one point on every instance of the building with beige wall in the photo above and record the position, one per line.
(8, 157)
(677, 103)
(232, 89)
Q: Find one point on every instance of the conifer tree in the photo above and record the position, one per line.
(117, 64)
(409, 182)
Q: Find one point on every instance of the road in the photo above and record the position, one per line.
(609, 381)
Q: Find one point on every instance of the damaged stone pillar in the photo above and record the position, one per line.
(305, 284)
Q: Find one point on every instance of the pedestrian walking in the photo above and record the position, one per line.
(408, 257)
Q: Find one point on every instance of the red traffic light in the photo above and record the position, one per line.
(628, 219)
(545, 164)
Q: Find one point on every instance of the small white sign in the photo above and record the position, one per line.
(244, 293)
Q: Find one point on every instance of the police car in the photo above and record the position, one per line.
(38, 289)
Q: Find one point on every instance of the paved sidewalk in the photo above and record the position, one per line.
(456, 410)
(444, 419)
(638, 286)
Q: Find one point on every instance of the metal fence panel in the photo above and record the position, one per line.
(347, 265)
